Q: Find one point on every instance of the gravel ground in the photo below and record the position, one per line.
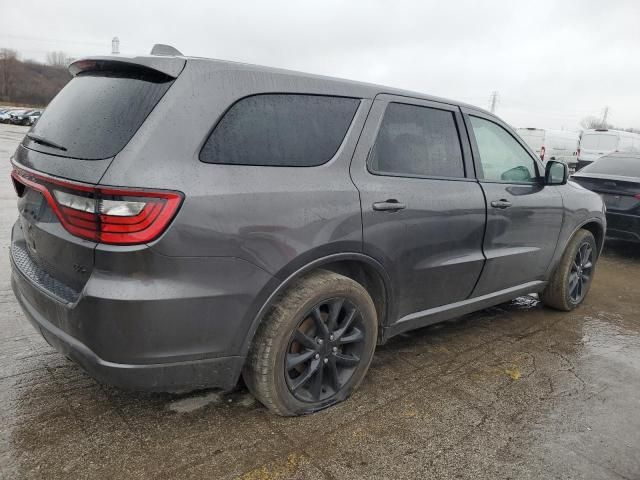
(515, 391)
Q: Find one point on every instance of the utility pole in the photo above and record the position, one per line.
(115, 46)
(493, 101)
(605, 114)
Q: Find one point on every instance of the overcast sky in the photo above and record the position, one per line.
(552, 62)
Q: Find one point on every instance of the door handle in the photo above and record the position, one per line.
(502, 203)
(391, 205)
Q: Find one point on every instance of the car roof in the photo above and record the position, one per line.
(173, 65)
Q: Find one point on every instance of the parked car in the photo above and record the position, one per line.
(560, 145)
(20, 117)
(597, 143)
(5, 115)
(34, 116)
(616, 177)
(243, 220)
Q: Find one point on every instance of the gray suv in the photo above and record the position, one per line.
(185, 221)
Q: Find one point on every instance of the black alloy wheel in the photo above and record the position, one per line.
(324, 350)
(581, 271)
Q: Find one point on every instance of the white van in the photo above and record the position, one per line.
(599, 142)
(560, 145)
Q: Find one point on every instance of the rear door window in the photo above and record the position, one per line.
(281, 130)
(97, 113)
(417, 141)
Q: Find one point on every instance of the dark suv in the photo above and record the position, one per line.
(185, 221)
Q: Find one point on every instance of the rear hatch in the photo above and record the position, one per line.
(620, 194)
(63, 158)
(616, 178)
(534, 137)
(597, 144)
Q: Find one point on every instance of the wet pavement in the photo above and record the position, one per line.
(516, 391)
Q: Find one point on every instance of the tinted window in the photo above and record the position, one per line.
(417, 141)
(280, 130)
(623, 166)
(96, 115)
(503, 159)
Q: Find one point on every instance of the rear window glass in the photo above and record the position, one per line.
(415, 140)
(623, 166)
(596, 141)
(280, 130)
(96, 114)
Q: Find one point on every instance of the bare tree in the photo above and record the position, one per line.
(591, 122)
(58, 59)
(8, 60)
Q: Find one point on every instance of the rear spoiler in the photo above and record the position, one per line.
(169, 66)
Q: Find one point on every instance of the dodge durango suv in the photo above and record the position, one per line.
(186, 221)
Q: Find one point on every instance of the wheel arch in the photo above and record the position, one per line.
(593, 225)
(359, 267)
(597, 229)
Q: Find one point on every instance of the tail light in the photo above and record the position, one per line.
(117, 216)
(578, 154)
(637, 196)
(542, 150)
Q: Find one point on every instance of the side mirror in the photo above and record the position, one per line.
(556, 173)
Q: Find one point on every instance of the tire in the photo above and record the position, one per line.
(334, 364)
(562, 292)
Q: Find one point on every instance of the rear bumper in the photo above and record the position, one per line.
(623, 227)
(180, 331)
(166, 377)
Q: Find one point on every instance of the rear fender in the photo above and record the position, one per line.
(313, 265)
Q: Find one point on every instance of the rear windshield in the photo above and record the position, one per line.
(623, 166)
(533, 138)
(599, 141)
(97, 113)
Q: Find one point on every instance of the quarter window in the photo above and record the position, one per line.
(503, 159)
(419, 141)
(280, 130)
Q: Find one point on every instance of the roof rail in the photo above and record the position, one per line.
(165, 50)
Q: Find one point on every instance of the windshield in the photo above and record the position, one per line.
(599, 141)
(97, 113)
(622, 166)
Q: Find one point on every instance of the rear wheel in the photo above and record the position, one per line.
(571, 281)
(315, 346)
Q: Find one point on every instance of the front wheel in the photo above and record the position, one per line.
(315, 346)
(572, 279)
